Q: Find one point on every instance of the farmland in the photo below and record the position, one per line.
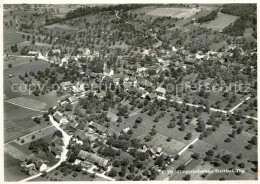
(220, 22)
(174, 12)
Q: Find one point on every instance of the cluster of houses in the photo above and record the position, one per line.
(33, 165)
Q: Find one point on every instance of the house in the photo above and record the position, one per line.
(72, 99)
(98, 127)
(65, 85)
(156, 151)
(58, 116)
(80, 134)
(33, 53)
(189, 60)
(125, 130)
(101, 162)
(100, 95)
(151, 96)
(56, 51)
(141, 69)
(56, 151)
(111, 132)
(108, 72)
(74, 124)
(161, 90)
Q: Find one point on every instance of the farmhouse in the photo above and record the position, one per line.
(84, 155)
(33, 53)
(58, 116)
(156, 151)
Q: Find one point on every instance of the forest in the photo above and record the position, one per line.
(248, 18)
(208, 17)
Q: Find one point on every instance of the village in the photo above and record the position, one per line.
(135, 112)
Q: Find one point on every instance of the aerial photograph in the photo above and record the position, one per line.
(130, 92)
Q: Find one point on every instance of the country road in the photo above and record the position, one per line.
(66, 139)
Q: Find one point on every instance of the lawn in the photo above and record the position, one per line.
(174, 12)
(220, 22)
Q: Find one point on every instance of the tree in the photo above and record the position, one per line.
(116, 163)
(72, 158)
(112, 173)
(187, 177)
(195, 156)
(139, 120)
(10, 65)
(119, 120)
(188, 136)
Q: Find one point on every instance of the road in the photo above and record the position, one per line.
(186, 147)
(233, 109)
(66, 139)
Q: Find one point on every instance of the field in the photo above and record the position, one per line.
(174, 12)
(28, 102)
(11, 37)
(220, 22)
(19, 122)
(59, 27)
(21, 70)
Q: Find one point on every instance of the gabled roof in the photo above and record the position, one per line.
(155, 150)
(72, 99)
(84, 155)
(80, 134)
(57, 115)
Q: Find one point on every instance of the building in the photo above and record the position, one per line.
(58, 116)
(99, 128)
(101, 162)
(108, 72)
(161, 90)
(72, 99)
(156, 151)
(33, 53)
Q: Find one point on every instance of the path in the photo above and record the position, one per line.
(186, 147)
(233, 109)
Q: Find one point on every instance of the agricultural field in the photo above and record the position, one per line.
(220, 22)
(174, 12)
(18, 121)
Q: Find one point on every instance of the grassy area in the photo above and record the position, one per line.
(19, 122)
(58, 176)
(174, 12)
(220, 22)
(28, 102)
(12, 169)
